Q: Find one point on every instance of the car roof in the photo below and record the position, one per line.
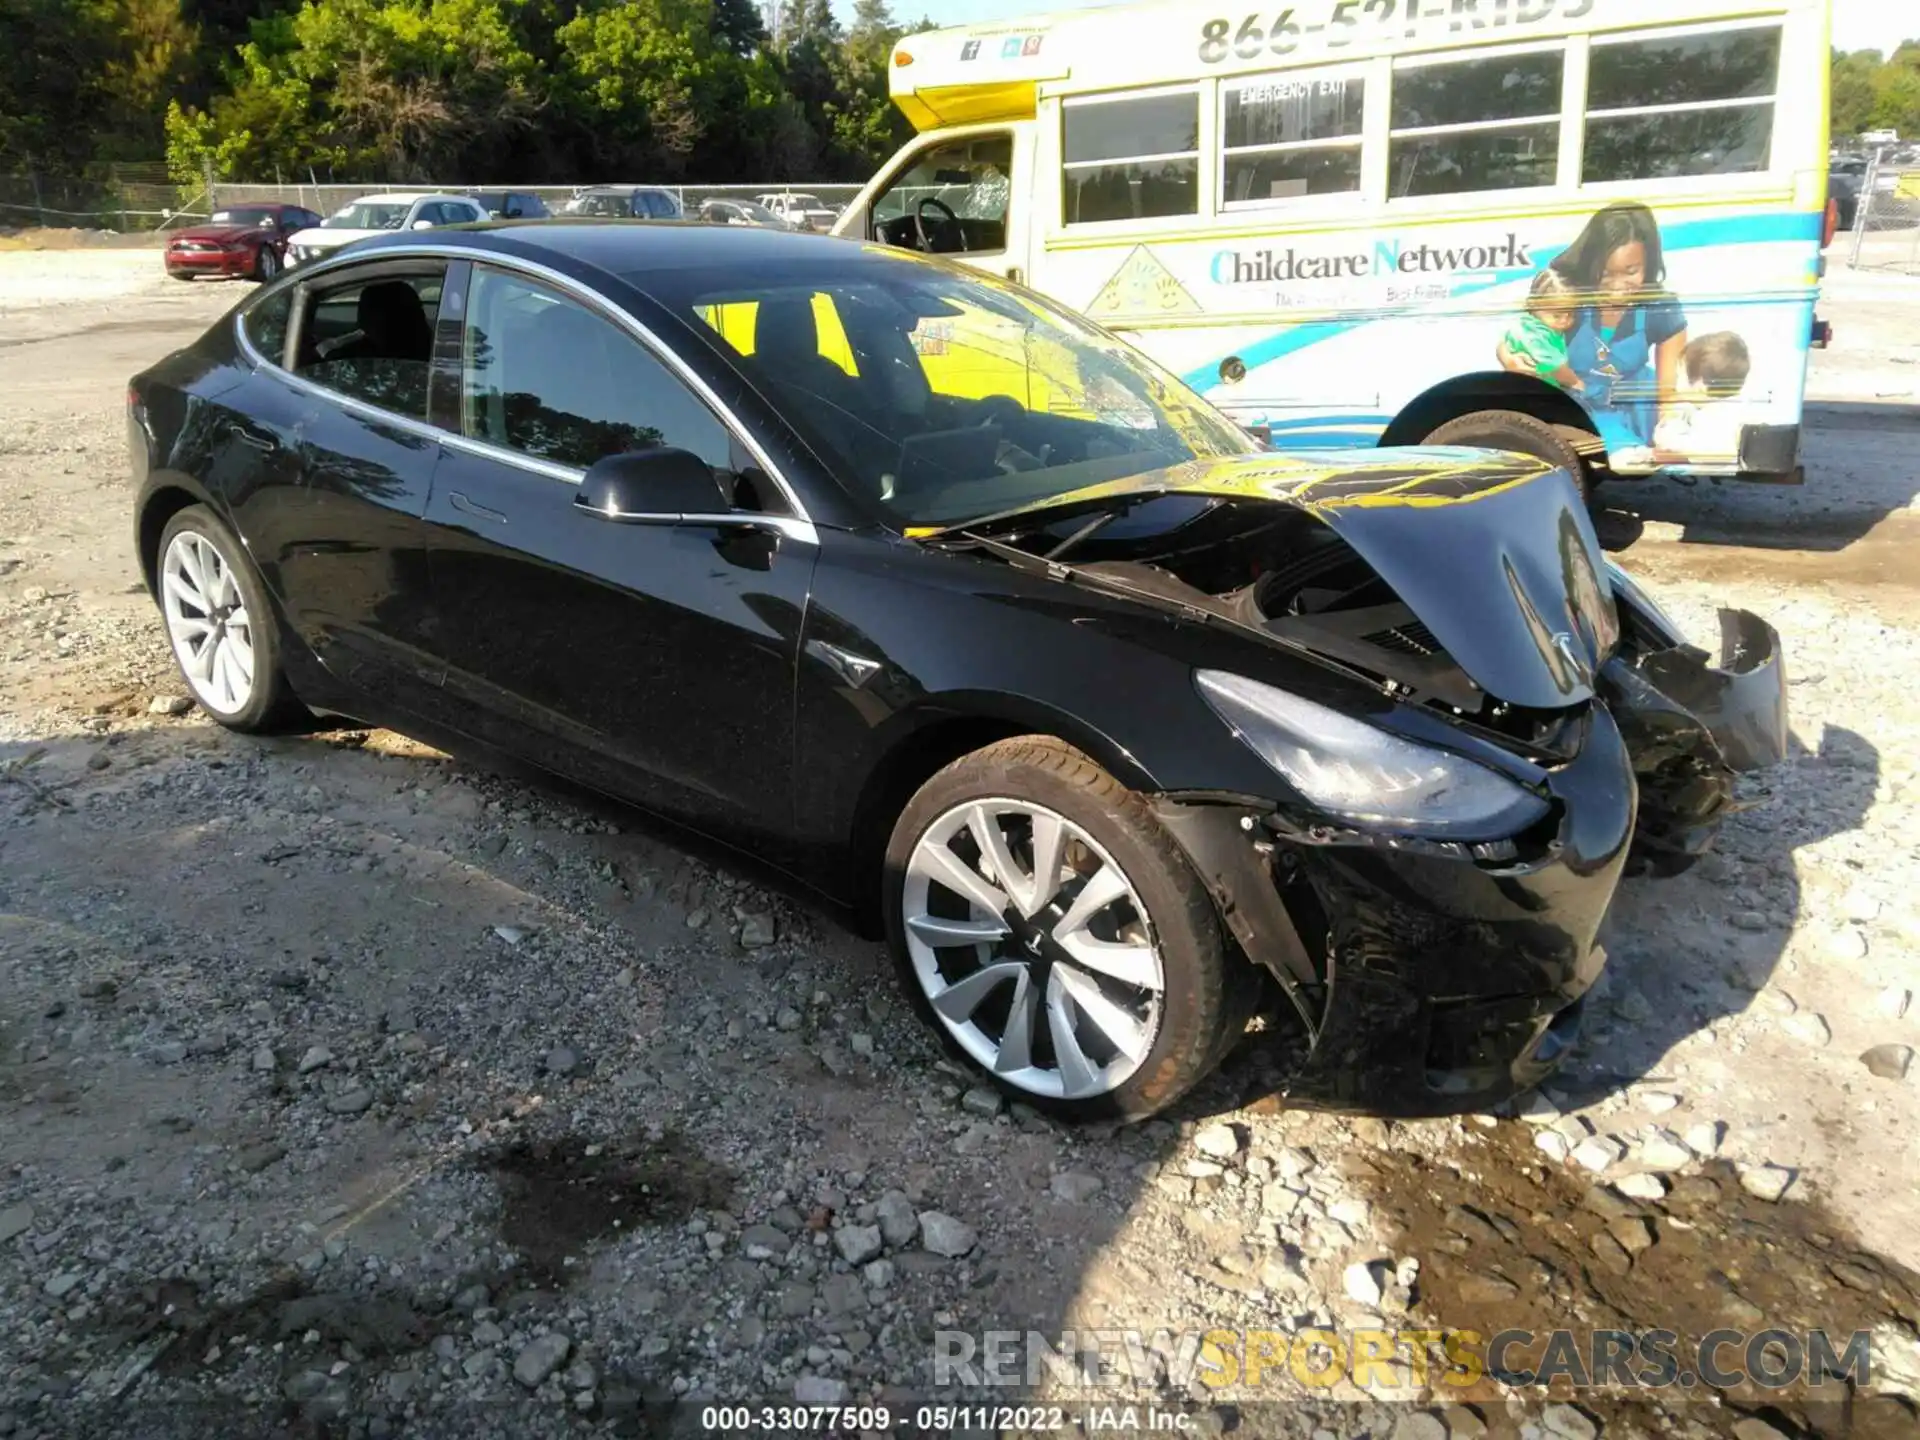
(406, 197)
(625, 250)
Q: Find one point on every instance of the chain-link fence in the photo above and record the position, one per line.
(816, 205)
(128, 197)
(1886, 218)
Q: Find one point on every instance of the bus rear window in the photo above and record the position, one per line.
(1130, 159)
(1665, 106)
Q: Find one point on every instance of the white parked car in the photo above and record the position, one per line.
(381, 215)
(802, 211)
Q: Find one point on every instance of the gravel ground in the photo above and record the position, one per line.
(351, 1089)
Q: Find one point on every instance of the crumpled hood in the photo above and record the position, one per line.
(1494, 552)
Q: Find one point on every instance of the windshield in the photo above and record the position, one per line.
(242, 215)
(756, 212)
(944, 397)
(362, 215)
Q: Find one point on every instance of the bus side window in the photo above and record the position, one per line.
(1490, 123)
(952, 199)
(1648, 116)
(1131, 157)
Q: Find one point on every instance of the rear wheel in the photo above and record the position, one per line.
(266, 264)
(220, 624)
(1512, 430)
(1055, 936)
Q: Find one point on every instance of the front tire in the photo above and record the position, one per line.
(221, 624)
(266, 264)
(1512, 430)
(1054, 935)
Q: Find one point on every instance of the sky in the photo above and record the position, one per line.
(1857, 24)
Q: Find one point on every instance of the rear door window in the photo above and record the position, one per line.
(370, 337)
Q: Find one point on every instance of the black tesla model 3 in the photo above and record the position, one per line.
(957, 609)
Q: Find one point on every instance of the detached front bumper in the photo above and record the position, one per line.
(1690, 724)
(1429, 980)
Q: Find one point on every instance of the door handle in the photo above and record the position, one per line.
(481, 512)
(1013, 273)
(265, 444)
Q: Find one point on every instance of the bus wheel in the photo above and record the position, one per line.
(1511, 430)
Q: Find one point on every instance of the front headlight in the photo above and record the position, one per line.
(1357, 772)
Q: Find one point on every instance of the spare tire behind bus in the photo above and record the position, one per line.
(1511, 430)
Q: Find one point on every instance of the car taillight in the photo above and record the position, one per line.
(1832, 227)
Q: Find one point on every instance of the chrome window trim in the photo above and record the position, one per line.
(802, 526)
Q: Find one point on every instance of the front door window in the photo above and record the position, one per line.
(952, 199)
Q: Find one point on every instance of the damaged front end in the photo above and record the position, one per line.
(1463, 602)
(1690, 724)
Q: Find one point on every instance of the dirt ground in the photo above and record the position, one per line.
(349, 1088)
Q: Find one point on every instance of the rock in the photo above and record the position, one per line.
(1632, 1006)
(256, 1158)
(1370, 1130)
(1893, 1002)
(263, 1059)
(488, 1333)
(860, 1043)
(1662, 1151)
(756, 931)
(1634, 1232)
(1751, 921)
(842, 1295)
(539, 1358)
(1478, 1289)
(1766, 1182)
(1642, 1187)
(15, 1221)
(878, 1273)
(944, 1235)
(350, 1102)
(562, 1060)
(1565, 1422)
(1753, 1427)
(1362, 1281)
(1420, 1425)
(1846, 943)
(1610, 1253)
(1888, 1062)
(170, 1053)
(1809, 1027)
(1658, 1102)
(697, 919)
(1536, 1109)
(1350, 1211)
(898, 1223)
(1219, 1142)
(581, 1376)
(1553, 1144)
(764, 1242)
(59, 1285)
(982, 1100)
(511, 934)
(169, 705)
(819, 1390)
(858, 1244)
(208, 1042)
(787, 1019)
(1598, 1153)
(316, 1056)
(1705, 1138)
(1076, 1187)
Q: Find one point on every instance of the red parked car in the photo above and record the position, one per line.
(242, 240)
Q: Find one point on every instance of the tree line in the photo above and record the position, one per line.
(1872, 91)
(397, 91)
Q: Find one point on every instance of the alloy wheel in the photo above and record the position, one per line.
(207, 622)
(1033, 948)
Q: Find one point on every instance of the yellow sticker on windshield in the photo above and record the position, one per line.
(1140, 289)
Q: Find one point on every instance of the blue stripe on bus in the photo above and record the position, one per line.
(1777, 227)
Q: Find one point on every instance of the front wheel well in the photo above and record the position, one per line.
(1495, 390)
(161, 506)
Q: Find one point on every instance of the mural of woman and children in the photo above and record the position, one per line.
(1600, 323)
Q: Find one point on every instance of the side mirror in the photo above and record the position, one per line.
(657, 486)
(423, 224)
